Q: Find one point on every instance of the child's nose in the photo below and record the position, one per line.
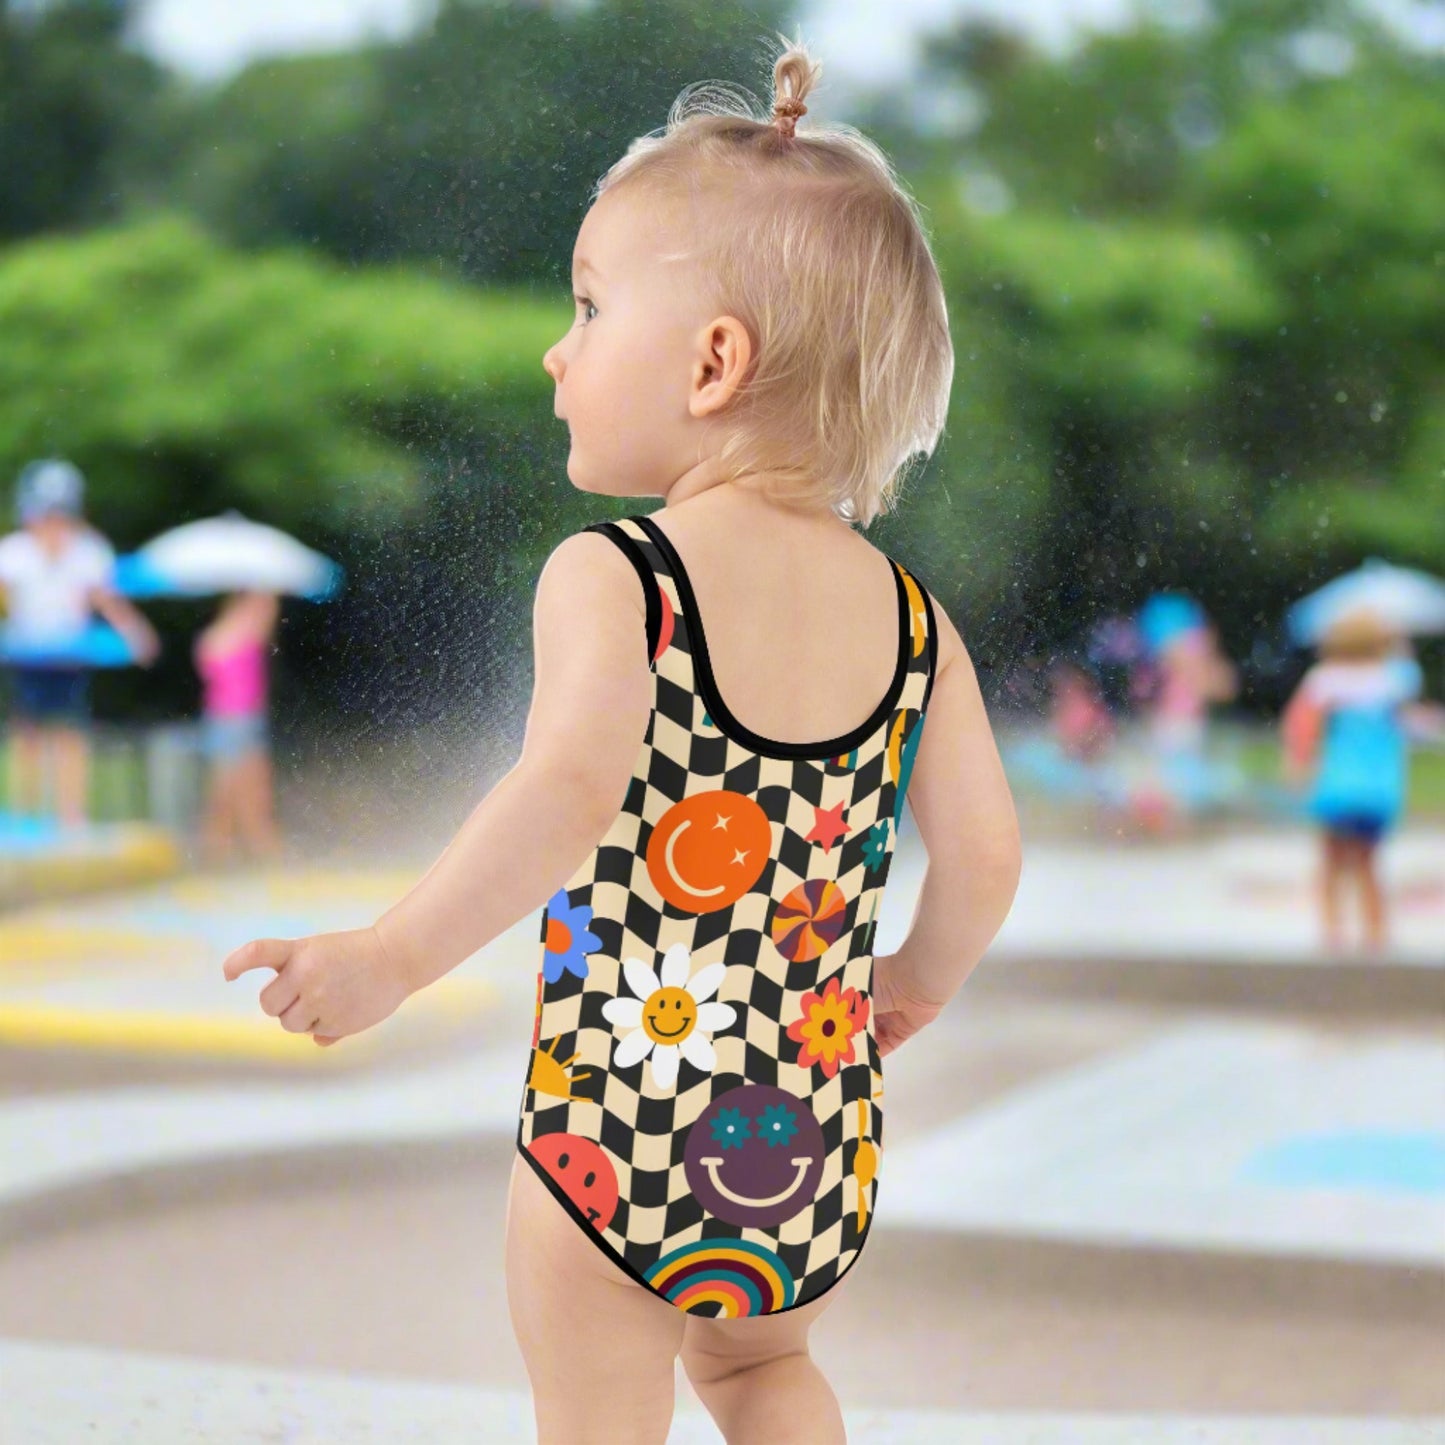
(552, 363)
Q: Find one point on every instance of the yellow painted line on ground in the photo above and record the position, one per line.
(39, 1026)
(36, 943)
(203, 1035)
(305, 886)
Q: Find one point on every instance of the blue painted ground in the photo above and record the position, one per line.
(1377, 1162)
(22, 836)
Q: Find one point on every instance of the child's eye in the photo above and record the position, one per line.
(584, 302)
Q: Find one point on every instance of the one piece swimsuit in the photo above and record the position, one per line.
(703, 1095)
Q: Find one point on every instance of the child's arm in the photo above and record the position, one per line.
(592, 694)
(965, 814)
(129, 621)
(1300, 726)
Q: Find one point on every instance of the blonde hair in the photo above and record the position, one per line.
(1358, 636)
(812, 241)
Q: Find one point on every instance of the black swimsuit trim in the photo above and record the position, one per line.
(648, 578)
(597, 1238)
(719, 711)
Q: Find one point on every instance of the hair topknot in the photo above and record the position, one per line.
(815, 244)
(795, 73)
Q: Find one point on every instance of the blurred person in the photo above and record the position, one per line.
(1193, 676)
(231, 656)
(709, 1003)
(1182, 675)
(55, 572)
(1082, 725)
(1345, 735)
(1116, 653)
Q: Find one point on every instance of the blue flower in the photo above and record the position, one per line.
(875, 845)
(730, 1128)
(568, 939)
(777, 1124)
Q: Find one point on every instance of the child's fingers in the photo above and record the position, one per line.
(259, 953)
(279, 995)
(298, 1017)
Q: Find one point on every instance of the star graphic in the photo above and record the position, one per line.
(828, 825)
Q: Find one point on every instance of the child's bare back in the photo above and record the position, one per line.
(800, 612)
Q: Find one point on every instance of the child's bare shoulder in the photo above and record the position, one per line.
(587, 567)
(951, 646)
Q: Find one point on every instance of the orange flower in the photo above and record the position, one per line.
(825, 1031)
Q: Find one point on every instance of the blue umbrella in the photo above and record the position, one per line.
(1404, 600)
(226, 554)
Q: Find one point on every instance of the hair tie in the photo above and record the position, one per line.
(786, 113)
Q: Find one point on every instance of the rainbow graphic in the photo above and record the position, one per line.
(738, 1278)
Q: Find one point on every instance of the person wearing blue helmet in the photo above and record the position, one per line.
(55, 572)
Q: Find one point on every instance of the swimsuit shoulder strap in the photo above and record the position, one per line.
(923, 641)
(667, 603)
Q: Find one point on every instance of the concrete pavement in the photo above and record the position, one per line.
(60, 1395)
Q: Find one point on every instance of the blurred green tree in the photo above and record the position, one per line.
(470, 146)
(1205, 264)
(72, 98)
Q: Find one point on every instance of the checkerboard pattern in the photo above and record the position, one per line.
(641, 1127)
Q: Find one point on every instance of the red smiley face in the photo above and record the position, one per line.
(580, 1169)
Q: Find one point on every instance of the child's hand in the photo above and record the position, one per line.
(329, 985)
(898, 1011)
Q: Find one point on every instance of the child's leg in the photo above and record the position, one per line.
(254, 804)
(758, 1381)
(1372, 896)
(72, 775)
(599, 1348)
(218, 823)
(27, 768)
(1333, 868)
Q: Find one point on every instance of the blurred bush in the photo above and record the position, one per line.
(184, 376)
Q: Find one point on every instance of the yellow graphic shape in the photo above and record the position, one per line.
(549, 1075)
(920, 617)
(668, 1015)
(865, 1164)
(897, 736)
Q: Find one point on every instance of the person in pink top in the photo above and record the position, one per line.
(231, 657)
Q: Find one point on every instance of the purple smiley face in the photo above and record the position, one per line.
(755, 1156)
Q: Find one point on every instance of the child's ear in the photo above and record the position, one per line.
(724, 354)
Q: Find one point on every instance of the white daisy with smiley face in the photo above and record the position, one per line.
(671, 1016)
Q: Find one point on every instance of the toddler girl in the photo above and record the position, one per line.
(728, 712)
(232, 657)
(1346, 733)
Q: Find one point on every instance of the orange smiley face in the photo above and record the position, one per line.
(669, 1015)
(708, 850)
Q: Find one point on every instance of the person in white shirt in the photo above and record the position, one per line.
(54, 573)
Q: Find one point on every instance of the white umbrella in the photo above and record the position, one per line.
(226, 554)
(1405, 600)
